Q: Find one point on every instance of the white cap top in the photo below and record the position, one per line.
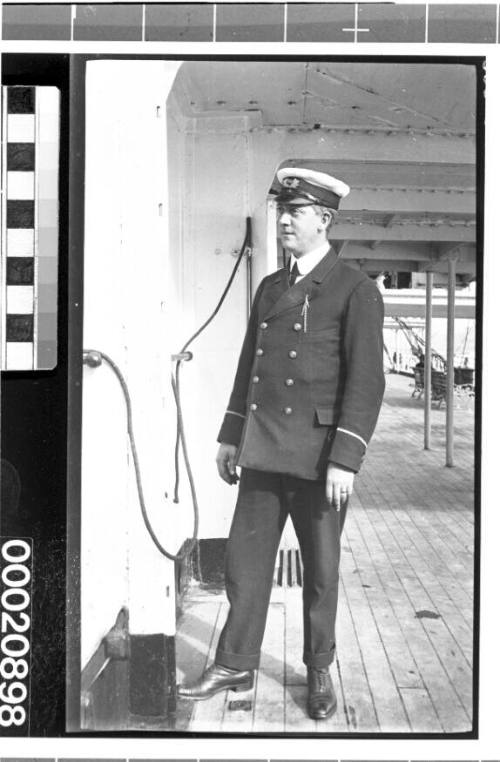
(287, 177)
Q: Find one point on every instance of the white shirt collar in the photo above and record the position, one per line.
(308, 262)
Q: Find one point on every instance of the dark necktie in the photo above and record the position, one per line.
(294, 273)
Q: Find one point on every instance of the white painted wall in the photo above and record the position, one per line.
(216, 209)
(129, 289)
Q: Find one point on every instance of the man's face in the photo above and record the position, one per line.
(301, 228)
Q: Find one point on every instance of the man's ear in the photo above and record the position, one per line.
(326, 219)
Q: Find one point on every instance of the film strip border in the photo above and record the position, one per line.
(254, 22)
(30, 175)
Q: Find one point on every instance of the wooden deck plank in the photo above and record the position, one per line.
(417, 567)
(296, 717)
(453, 537)
(449, 570)
(370, 558)
(413, 565)
(451, 543)
(421, 711)
(432, 595)
(441, 509)
(410, 679)
(207, 715)
(450, 493)
(359, 708)
(459, 620)
(194, 636)
(269, 711)
(238, 720)
(390, 710)
(413, 541)
(427, 644)
(418, 557)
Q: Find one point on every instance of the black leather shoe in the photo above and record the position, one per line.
(321, 699)
(215, 679)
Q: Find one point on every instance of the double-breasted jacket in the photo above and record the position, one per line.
(310, 377)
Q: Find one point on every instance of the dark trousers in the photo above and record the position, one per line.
(264, 502)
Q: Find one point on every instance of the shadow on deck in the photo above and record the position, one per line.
(405, 619)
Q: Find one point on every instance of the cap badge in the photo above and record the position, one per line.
(291, 182)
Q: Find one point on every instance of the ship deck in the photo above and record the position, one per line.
(405, 619)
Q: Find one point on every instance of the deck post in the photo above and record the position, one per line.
(429, 278)
(396, 349)
(450, 361)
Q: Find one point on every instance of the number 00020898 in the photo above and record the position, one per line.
(15, 628)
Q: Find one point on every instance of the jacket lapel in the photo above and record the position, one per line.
(273, 293)
(287, 297)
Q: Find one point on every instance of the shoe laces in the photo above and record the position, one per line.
(322, 680)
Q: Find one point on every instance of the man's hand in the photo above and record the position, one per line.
(339, 483)
(226, 463)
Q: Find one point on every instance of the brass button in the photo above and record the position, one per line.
(259, 352)
(255, 379)
(289, 382)
(292, 353)
(287, 410)
(253, 406)
(297, 326)
(263, 326)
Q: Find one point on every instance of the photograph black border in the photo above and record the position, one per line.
(58, 422)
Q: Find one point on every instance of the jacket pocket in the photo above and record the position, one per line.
(324, 416)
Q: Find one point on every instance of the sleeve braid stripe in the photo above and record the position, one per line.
(233, 412)
(352, 434)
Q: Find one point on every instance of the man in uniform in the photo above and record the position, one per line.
(304, 405)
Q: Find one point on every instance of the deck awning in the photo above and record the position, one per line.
(411, 304)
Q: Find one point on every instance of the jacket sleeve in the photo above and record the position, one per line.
(365, 380)
(234, 418)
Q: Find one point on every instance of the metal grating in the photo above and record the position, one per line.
(289, 571)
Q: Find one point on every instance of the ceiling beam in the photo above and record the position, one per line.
(400, 200)
(398, 254)
(415, 310)
(368, 147)
(380, 264)
(388, 173)
(463, 267)
(407, 251)
(446, 250)
(367, 232)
